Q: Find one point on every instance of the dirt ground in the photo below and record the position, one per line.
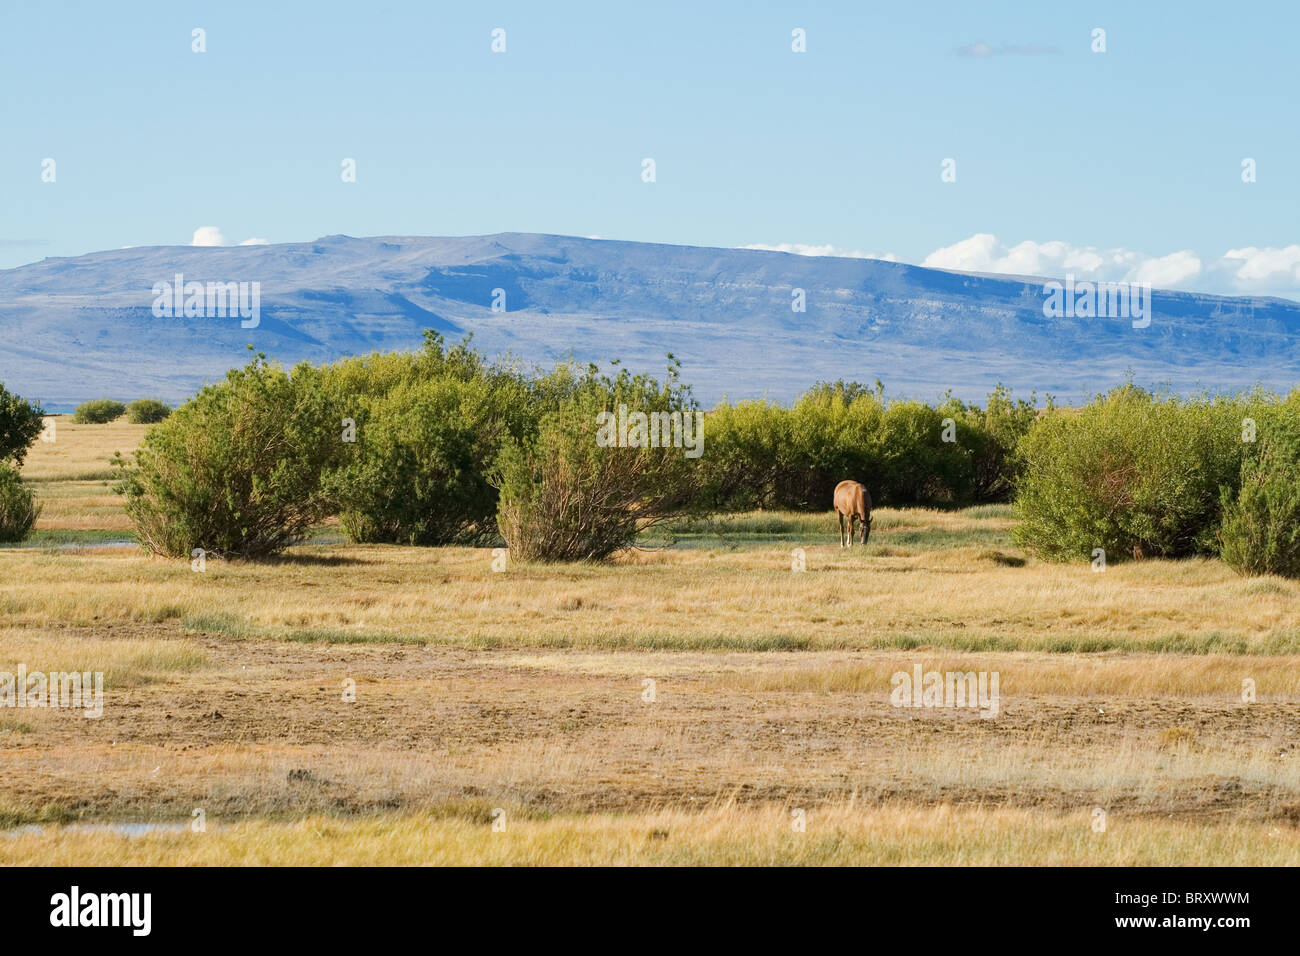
(265, 730)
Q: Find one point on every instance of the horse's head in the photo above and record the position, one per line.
(866, 527)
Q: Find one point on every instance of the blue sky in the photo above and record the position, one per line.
(1119, 164)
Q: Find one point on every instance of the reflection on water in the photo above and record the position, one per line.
(121, 829)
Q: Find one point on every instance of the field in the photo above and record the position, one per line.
(695, 701)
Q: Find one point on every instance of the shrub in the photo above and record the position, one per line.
(915, 464)
(568, 494)
(763, 455)
(18, 507)
(747, 463)
(237, 469)
(420, 472)
(769, 456)
(147, 411)
(429, 426)
(21, 422)
(98, 411)
(1261, 522)
(992, 434)
(1130, 473)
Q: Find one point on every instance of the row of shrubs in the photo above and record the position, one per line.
(1142, 475)
(765, 455)
(101, 411)
(440, 446)
(432, 447)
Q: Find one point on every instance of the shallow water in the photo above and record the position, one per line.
(121, 829)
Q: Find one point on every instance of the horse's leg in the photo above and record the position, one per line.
(852, 523)
(840, 515)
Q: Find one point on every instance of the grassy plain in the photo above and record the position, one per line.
(689, 702)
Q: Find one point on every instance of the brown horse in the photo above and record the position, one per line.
(853, 501)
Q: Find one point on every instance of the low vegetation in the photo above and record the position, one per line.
(1261, 523)
(18, 507)
(765, 455)
(21, 422)
(98, 411)
(1137, 475)
(425, 431)
(237, 470)
(569, 494)
(147, 411)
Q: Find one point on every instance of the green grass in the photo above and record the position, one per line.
(789, 529)
(64, 538)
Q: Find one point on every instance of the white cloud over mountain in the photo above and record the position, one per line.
(1252, 270)
(208, 236)
(212, 236)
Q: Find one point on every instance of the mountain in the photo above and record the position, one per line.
(84, 327)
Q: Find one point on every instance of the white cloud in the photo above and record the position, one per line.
(984, 252)
(1169, 272)
(807, 249)
(1250, 270)
(211, 236)
(208, 236)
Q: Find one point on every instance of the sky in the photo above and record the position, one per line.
(1122, 164)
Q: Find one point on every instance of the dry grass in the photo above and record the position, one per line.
(726, 836)
(524, 690)
(688, 599)
(124, 662)
(73, 477)
(1108, 675)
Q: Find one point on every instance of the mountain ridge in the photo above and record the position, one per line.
(83, 326)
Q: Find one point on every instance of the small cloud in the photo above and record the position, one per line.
(982, 49)
(1171, 271)
(810, 249)
(208, 236)
(1261, 270)
(255, 241)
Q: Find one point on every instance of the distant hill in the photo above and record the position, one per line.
(84, 327)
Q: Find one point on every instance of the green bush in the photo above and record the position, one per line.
(764, 455)
(147, 411)
(21, 423)
(98, 411)
(237, 470)
(420, 473)
(992, 434)
(1261, 522)
(1131, 473)
(572, 492)
(18, 507)
(429, 426)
